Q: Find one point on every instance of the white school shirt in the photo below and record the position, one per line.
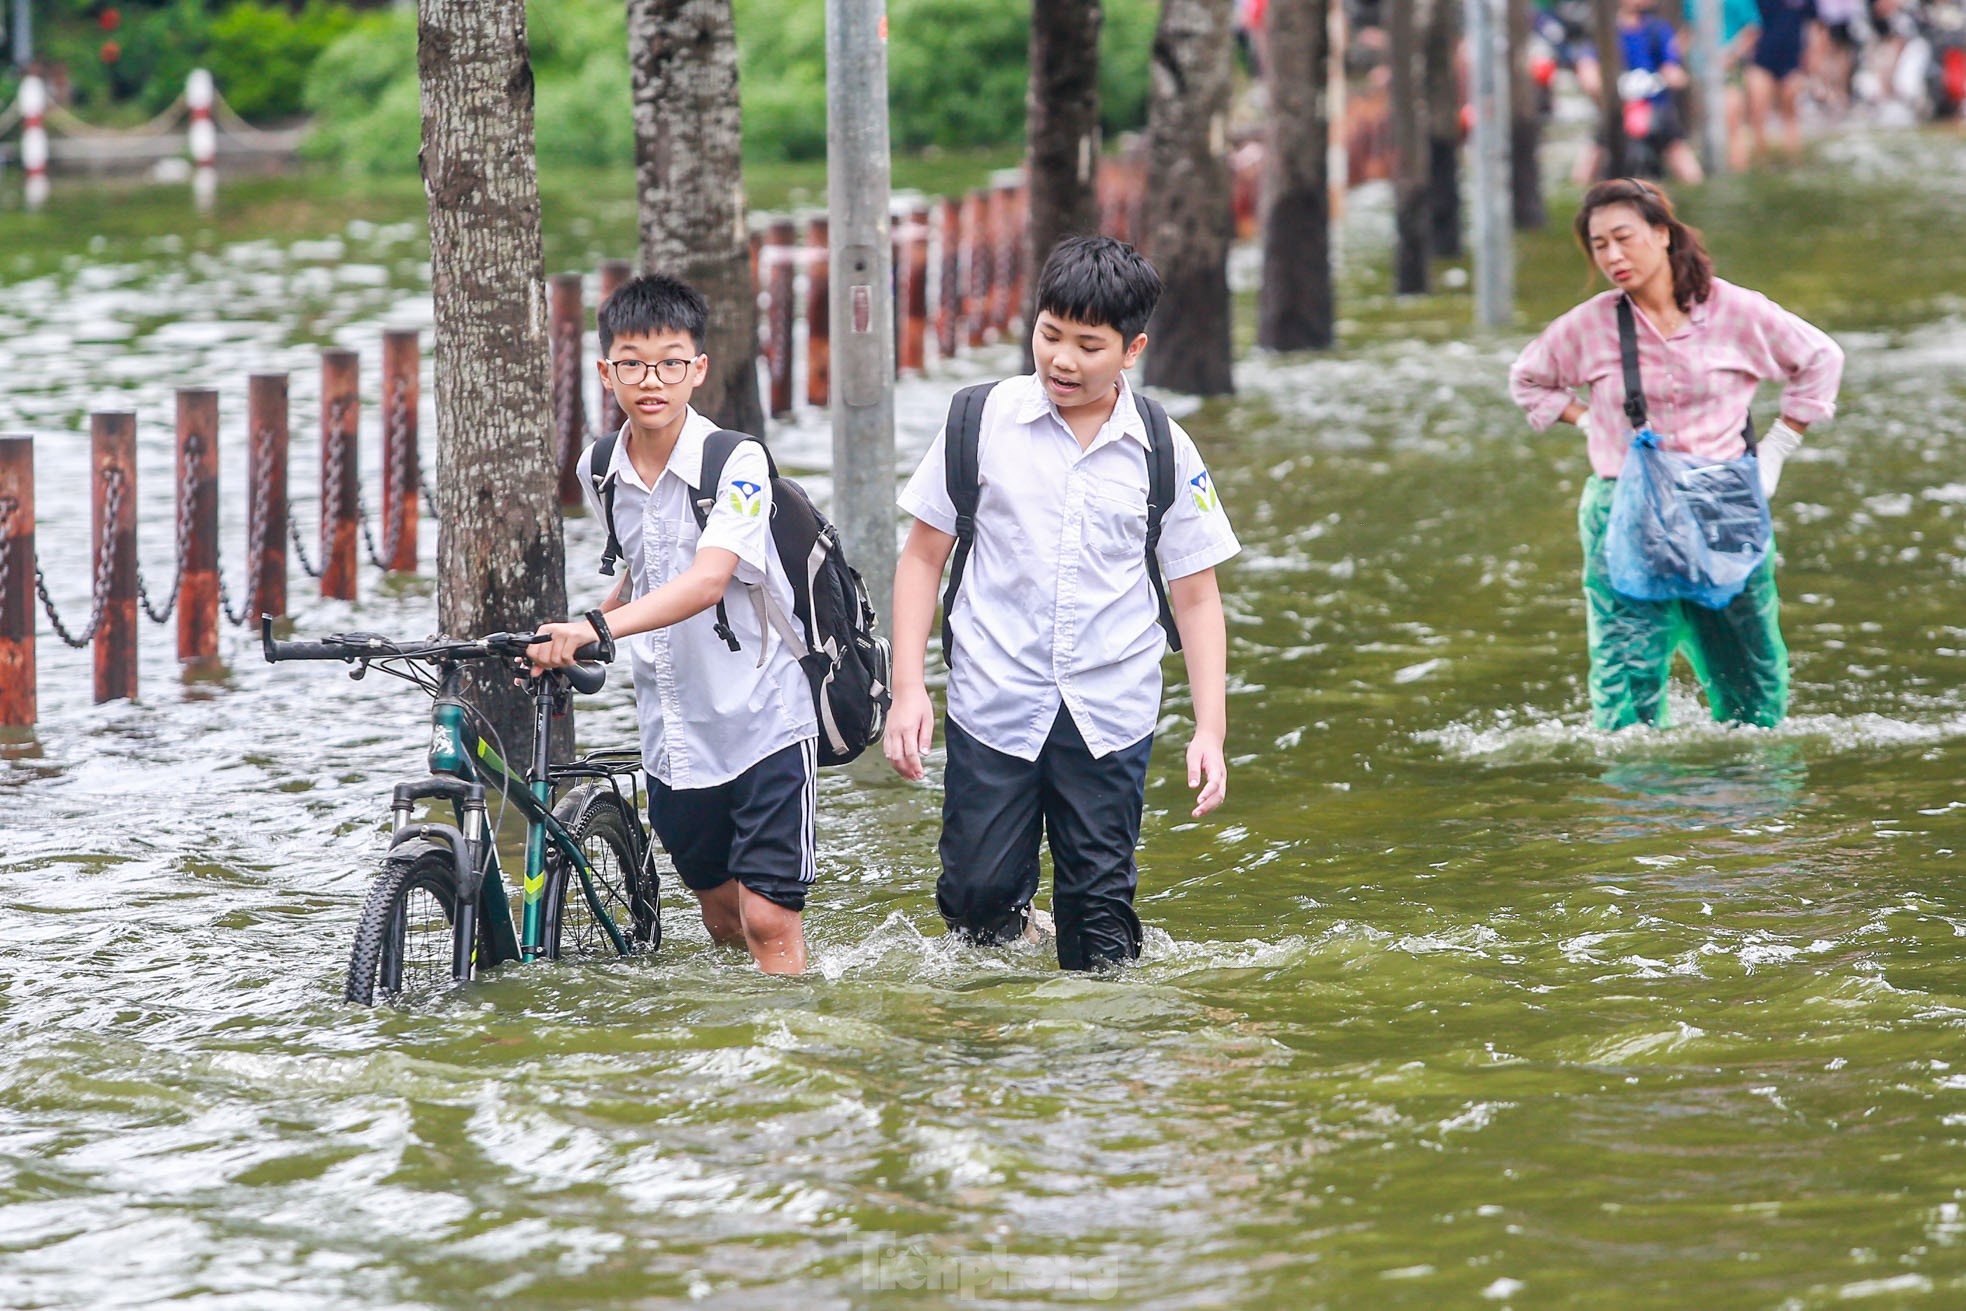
(1055, 603)
(708, 713)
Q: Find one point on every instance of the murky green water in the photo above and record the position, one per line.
(1458, 1003)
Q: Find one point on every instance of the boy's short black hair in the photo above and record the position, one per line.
(1099, 280)
(653, 303)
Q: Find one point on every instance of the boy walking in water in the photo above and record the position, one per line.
(1055, 640)
(728, 736)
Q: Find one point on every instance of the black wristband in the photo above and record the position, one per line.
(602, 634)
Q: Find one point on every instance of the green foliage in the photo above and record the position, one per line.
(131, 59)
(259, 56)
(957, 71)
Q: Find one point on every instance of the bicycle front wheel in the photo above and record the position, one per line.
(623, 880)
(403, 939)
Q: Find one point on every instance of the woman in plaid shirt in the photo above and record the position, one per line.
(1703, 346)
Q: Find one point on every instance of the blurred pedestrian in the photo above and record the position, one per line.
(1775, 75)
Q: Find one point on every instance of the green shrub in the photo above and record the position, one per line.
(260, 56)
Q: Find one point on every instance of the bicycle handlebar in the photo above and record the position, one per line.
(586, 677)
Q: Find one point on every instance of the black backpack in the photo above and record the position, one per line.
(963, 434)
(850, 667)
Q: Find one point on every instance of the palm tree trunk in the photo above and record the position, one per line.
(1190, 221)
(501, 558)
(1294, 309)
(689, 182)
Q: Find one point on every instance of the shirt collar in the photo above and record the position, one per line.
(686, 461)
(1036, 402)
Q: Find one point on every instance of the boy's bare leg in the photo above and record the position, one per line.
(723, 914)
(775, 935)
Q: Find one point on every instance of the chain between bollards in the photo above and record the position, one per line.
(105, 565)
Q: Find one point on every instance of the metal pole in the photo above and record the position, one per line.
(17, 691)
(1713, 86)
(862, 299)
(23, 35)
(1494, 235)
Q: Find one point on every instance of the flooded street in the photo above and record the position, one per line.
(1456, 1002)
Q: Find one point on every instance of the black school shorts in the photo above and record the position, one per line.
(757, 828)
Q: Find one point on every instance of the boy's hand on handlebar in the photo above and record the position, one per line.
(562, 641)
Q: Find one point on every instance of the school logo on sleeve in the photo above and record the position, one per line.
(747, 498)
(1204, 490)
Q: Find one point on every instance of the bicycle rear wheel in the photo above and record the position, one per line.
(403, 938)
(611, 838)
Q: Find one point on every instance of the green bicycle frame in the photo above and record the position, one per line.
(456, 751)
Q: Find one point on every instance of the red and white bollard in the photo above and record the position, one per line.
(203, 137)
(34, 139)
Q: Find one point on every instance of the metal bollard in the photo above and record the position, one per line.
(568, 318)
(267, 515)
(1018, 199)
(340, 472)
(819, 316)
(914, 307)
(197, 466)
(781, 265)
(401, 390)
(17, 693)
(949, 289)
(1005, 237)
(113, 458)
(977, 258)
(615, 272)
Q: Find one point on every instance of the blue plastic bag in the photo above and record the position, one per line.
(1685, 529)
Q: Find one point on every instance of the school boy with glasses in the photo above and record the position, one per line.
(1055, 630)
(728, 730)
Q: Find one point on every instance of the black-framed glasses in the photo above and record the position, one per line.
(630, 373)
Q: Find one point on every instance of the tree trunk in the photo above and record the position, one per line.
(501, 559)
(1412, 219)
(1610, 66)
(1525, 124)
(1190, 220)
(1444, 124)
(689, 180)
(1294, 308)
(1061, 161)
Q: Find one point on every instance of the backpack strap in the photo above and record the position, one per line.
(962, 435)
(717, 448)
(1160, 499)
(600, 471)
(1635, 389)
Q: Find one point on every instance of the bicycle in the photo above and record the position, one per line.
(438, 909)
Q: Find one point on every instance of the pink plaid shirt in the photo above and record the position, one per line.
(1698, 383)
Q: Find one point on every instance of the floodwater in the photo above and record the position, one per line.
(1455, 1003)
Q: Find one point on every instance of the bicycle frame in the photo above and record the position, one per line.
(462, 767)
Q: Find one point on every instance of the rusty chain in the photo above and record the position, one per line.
(8, 505)
(566, 394)
(330, 500)
(105, 565)
(394, 433)
(187, 497)
(256, 512)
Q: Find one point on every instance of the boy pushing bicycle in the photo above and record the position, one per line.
(728, 737)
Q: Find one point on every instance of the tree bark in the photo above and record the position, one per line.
(1443, 89)
(501, 559)
(1412, 218)
(1190, 220)
(1610, 67)
(1294, 308)
(1525, 124)
(1061, 159)
(689, 180)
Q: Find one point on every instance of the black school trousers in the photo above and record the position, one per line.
(996, 807)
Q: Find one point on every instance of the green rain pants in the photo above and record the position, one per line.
(1737, 653)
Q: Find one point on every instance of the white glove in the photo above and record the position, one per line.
(1584, 426)
(1776, 446)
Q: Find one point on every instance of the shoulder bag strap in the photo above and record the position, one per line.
(1628, 353)
(600, 470)
(716, 452)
